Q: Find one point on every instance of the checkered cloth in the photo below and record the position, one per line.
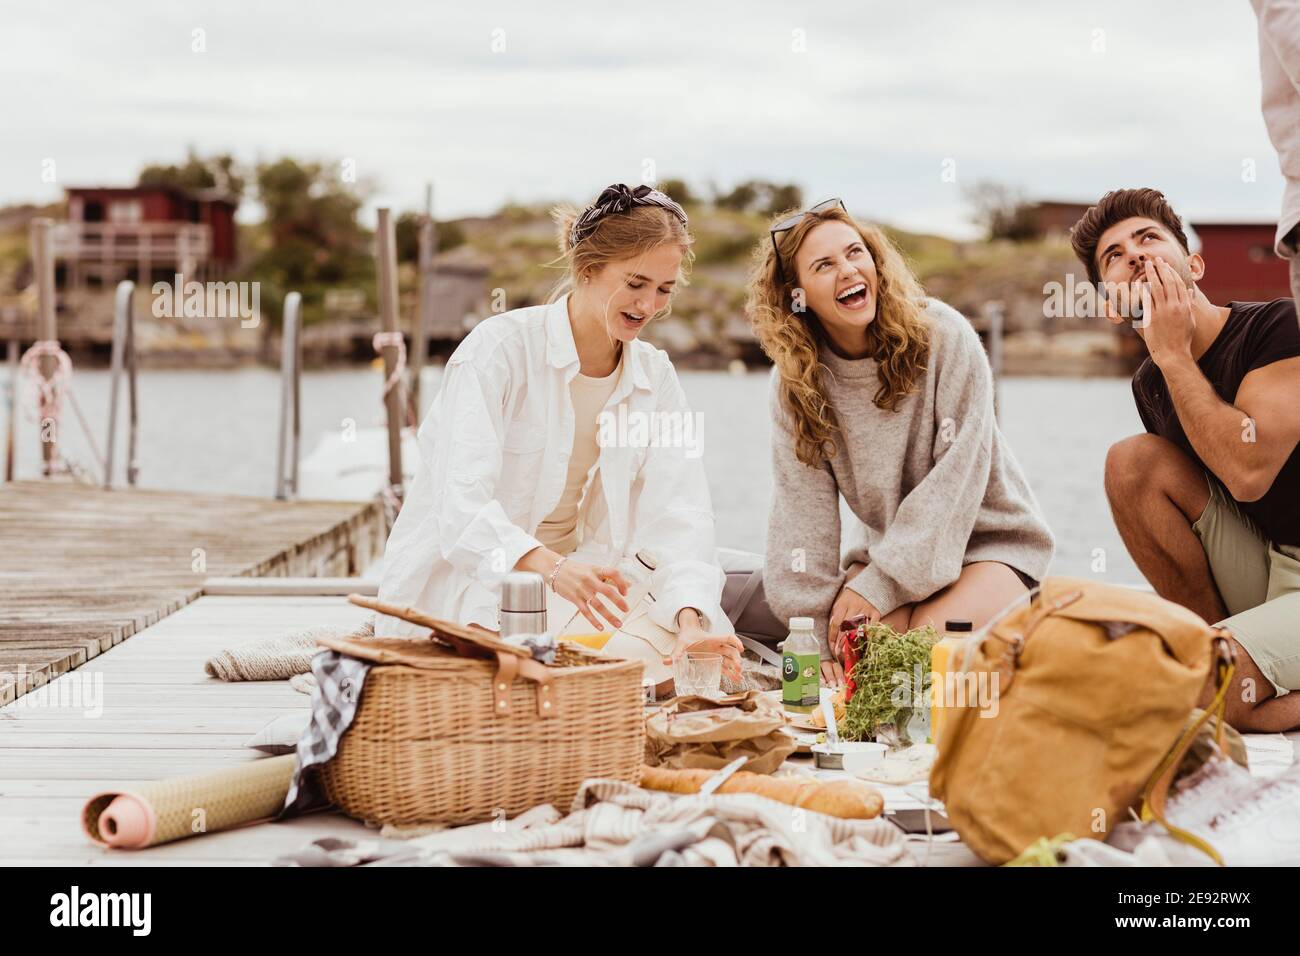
(339, 682)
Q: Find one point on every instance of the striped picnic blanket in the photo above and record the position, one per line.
(616, 824)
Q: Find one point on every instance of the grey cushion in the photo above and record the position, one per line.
(281, 735)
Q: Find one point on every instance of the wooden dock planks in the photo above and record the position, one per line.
(147, 711)
(82, 569)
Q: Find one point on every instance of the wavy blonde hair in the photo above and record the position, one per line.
(898, 339)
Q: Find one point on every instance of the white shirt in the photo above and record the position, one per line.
(494, 454)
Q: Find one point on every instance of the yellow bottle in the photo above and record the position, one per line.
(942, 662)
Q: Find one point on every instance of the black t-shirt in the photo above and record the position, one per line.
(1255, 334)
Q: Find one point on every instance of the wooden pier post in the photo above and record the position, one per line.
(386, 263)
(424, 308)
(46, 322)
(12, 389)
(123, 359)
(994, 312)
(287, 454)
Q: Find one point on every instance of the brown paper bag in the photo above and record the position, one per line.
(696, 732)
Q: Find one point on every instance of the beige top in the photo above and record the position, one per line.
(559, 530)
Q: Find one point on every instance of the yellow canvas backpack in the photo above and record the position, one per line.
(1089, 691)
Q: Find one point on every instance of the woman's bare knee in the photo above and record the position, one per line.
(899, 617)
(983, 590)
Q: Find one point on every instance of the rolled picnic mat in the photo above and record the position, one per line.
(164, 810)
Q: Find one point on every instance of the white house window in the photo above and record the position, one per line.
(125, 210)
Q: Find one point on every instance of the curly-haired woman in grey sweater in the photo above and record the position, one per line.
(884, 398)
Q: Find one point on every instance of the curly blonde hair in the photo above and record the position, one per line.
(898, 339)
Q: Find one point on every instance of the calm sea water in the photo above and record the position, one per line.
(217, 431)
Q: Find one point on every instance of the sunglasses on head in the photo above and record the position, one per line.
(788, 223)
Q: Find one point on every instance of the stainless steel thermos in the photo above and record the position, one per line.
(523, 605)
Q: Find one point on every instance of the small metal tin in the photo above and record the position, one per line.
(860, 754)
(826, 759)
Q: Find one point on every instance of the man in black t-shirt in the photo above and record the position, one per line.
(1208, 501)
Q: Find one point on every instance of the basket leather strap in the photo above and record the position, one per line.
(508, 668)
(546, 703)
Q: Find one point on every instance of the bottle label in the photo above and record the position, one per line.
(801, 680)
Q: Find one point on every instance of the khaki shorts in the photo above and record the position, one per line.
(1260, 585)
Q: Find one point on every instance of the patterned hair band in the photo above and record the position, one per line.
(619, 198)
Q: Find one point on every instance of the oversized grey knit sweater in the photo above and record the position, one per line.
(934, 486)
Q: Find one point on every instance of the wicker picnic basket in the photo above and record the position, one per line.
(462, 728)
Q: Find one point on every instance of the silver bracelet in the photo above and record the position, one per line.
(550, 578)
(701, 620)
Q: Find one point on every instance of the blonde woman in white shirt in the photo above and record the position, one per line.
(514, 475)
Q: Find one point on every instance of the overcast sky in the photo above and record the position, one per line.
(871, 101)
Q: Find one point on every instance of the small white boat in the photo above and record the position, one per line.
(353, 466)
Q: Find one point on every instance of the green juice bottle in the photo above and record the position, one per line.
(801, 668)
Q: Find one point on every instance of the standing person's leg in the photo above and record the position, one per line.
(1295, 282)
(982, 590)
(1156, 495)
(1293, 244)
(1279, 68)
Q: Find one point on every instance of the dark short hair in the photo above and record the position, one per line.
(1116, 206)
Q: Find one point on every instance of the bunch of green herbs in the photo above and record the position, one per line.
(884, 674)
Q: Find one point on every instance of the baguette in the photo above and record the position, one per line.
(848, 799)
